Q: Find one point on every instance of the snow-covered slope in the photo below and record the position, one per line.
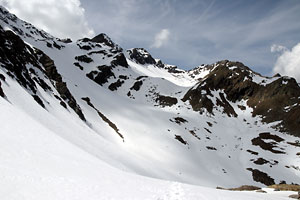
(87, 117)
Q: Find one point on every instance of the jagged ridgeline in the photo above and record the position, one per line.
(219, 124)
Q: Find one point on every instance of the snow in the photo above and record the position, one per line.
(36, 163)
(52, 154)
(153, 71)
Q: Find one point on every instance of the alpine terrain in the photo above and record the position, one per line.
(87, 119)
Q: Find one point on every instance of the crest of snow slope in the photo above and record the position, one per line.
(149, 131)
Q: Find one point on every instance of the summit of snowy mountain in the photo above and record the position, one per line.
(84, 115)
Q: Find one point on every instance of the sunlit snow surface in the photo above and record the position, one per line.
(37, 163)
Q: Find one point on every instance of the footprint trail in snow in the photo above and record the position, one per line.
(175, 192)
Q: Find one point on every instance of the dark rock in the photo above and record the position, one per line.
(277, 75)
(85, 40)
(173, 69)
(199, 100)
(180, 139)
(61, 87)
(194, 134)
(119, 60)
(159, 64)
(42, 83)
(98, 52)
(85, 47)
(261, 161)
(141, 56)
(207, 130)
(296, 143)
(38, 100)
(67, 40)
(15, 54)
(252, 152)
(1, 91)
(259, 141)
(104, 39)
(180, 120)
(124, 77)
(49, 45)
(57, 46)
(140, 77)
(166, 100)
(63, 104)
(103, 117)
(84, 58)
(137, 85)
(209, 124)
(101, 76)
(261, 177)
(114, 86)
(211, 148)
(228, 109)
(2, 77)
(78, 65)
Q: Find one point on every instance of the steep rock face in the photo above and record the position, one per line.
(274, 99)
(15, 54)
(104, 39)
(20, 62)
(141, 56)
(23, 63)
(59, 84)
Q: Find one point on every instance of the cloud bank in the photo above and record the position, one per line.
(161, 38)
(61, 18)
(278, 48)
(288, 63)
(203, 32)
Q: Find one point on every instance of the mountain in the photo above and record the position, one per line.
(89, 117)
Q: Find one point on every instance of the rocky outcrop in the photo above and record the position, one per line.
(261, 177)
(60, 85)
(114, 86)
(141, 56)
(103, 117)
(274, 99)
(120, 60)
(21, 63)
(102, 75)
(137, 85)
(1, 90)
(166, 100)
(15, 55)
(104, 39)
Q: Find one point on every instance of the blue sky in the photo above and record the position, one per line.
(185, 33)
(201, 31)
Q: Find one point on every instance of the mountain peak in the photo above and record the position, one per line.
(104, 39)
(141, 56)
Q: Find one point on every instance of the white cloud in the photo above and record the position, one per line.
(278, 48)
(61, 18)
(161, 38)
(288, 63)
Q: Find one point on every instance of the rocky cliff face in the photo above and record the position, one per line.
(275, 99)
